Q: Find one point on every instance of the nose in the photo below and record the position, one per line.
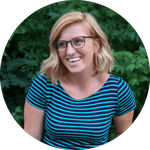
(70, 49)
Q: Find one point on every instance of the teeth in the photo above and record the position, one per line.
(74, 59)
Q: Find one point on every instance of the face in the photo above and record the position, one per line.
(81, 59)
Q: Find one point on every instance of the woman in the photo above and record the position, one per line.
(74, 99)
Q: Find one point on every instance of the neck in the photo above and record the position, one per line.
(81, 80)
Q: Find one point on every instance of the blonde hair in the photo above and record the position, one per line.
(103, 60)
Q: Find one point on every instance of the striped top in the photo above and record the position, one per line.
(76, 124)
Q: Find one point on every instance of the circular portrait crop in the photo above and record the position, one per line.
(75, 75)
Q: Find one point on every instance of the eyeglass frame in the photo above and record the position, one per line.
(55, 43)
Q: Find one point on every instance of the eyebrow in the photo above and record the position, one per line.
(73, 38)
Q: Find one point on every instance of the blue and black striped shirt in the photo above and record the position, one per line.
(76, 124)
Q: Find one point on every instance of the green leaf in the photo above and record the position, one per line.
(142, 49)
(20, 30)
(5, 83)
(18, 109)
(13, 65)
(5, 54)
(11, 36)
(95, 13)
(146, 70)
(133, 82)
(53, 15)
(130, 67)
(143, 78)
(29, 62)
(110, 13)
(84, 9)
(122, 69)
(132, 36)
(13, 114)
(16, 81)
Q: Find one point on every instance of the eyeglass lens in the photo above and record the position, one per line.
(77, 42)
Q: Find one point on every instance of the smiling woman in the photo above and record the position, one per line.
(83, 53)
(75, 98)
(90, 27)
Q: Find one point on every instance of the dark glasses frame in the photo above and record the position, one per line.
(56, 46)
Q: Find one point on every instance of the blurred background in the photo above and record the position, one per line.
(29, 46)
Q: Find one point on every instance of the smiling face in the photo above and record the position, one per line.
(81, 59)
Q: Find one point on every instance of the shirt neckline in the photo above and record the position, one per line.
(85, 97)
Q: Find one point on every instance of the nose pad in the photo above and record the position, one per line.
(70, 49)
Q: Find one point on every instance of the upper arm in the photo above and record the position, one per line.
(33, 120)
(125, 107)
(123, 122)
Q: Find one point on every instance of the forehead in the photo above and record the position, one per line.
(74, 30)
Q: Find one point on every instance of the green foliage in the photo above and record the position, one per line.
(134, 69)
(17, 114)
(29, 46)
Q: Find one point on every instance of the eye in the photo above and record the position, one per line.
(78, 41)
(61, 44)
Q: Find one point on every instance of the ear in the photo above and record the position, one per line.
(96, 45)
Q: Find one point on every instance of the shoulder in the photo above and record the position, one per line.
(124, 89)
(120, 83)
(118, 79)
(41, 78)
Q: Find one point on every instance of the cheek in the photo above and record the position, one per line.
(62, 59)
(61, 56)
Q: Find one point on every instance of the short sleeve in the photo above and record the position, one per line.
(36, 93)
(126, 101)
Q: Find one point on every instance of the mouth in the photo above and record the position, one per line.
(73, 60)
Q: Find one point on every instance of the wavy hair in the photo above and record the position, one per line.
(103, 60)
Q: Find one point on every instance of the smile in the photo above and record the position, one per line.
(73, 60)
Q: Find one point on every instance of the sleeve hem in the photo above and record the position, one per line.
(34, 105)
(125, 112)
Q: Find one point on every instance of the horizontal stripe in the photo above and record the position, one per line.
(79, 123)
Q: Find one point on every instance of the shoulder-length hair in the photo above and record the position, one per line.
(103, 60)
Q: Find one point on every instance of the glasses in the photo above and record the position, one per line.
(77, 42)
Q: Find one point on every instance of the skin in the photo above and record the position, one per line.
(122, 123)
(33, 121)
(78, 79)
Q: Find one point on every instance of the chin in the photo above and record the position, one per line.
(75, 70)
